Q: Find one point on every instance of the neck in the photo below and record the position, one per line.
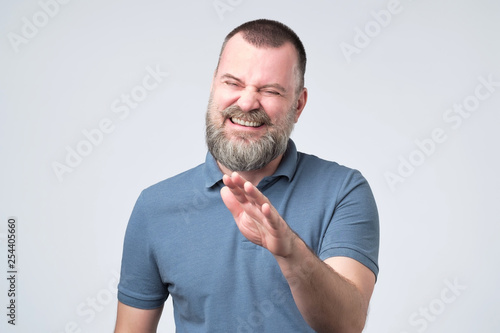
(255, 176)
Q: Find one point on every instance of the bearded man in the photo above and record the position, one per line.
(260, 237)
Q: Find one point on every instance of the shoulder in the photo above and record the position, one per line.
(312, 167)
(174, 187)
(317, 175)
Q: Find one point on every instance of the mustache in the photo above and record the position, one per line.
(256, 115)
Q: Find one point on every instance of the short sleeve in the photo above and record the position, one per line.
(140, 284)
(354, 228)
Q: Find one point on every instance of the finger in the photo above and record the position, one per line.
(238, 179)
(234, 181)
(239, 185)
(272, 216)
(255, 195)
(239, 210)
(230, 201)
(236, 190)
(267, 211)
(227, 181)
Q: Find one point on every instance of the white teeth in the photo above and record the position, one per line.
(245, 123)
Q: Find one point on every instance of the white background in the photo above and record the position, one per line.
(366, 110)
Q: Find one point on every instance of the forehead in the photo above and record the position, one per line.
(262, 65)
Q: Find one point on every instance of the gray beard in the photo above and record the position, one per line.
(243, 153)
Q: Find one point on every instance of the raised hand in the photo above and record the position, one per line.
(256, 218)
(330, 300)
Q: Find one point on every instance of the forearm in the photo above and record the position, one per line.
(327, 301)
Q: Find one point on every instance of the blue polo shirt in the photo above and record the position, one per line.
(182, 241)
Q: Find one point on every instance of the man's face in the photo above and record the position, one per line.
(253, 104)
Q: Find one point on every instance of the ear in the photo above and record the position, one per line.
(301, 103)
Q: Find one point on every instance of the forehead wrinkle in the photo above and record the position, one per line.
(236, 48)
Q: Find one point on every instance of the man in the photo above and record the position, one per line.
(302, 255)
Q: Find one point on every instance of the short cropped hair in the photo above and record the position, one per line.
(269, 33)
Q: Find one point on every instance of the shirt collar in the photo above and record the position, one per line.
(286, 168)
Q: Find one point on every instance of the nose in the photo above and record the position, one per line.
(249, 100)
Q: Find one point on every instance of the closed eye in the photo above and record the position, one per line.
(271, 92)
(231, 80)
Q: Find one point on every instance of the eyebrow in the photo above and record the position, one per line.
(270, 85)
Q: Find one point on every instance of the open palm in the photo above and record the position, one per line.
(256, 218)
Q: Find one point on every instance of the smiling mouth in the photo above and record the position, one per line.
(246, 123)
